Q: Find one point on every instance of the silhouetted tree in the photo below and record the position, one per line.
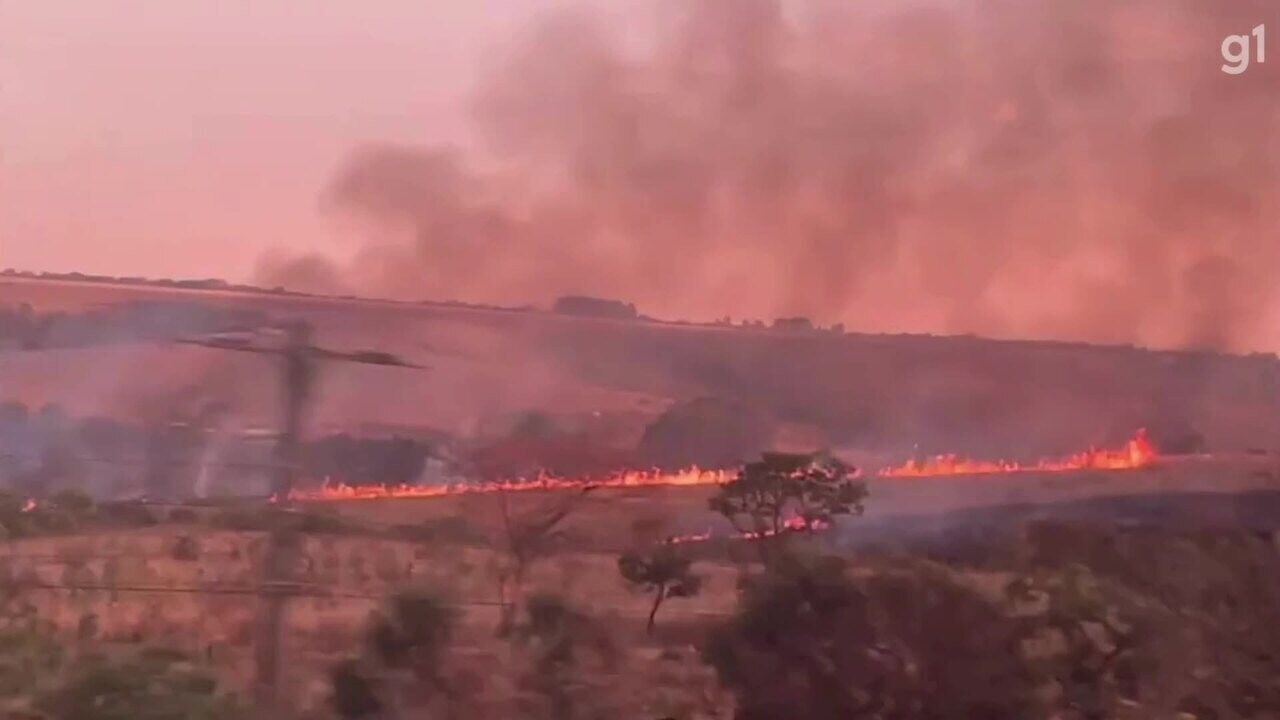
(784, 493)
(525, 539)
(662, 570)
(810, 640)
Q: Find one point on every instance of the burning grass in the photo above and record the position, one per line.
(1137, 453)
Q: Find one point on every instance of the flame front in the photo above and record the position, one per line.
(625, 479)
(1137, 453)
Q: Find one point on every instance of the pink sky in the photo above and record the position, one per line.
(183, 138)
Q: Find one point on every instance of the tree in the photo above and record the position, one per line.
(810, 640)
(524, 540)
(783, 493)
(662, 570)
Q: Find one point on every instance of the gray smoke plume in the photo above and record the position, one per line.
(1045, 168)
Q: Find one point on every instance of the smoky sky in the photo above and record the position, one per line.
(1074, 169)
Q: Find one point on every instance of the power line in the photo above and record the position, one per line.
(132, 462)
(288, 589)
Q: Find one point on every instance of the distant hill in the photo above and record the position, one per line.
(894, 395)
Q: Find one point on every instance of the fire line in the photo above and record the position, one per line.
(1138, 452)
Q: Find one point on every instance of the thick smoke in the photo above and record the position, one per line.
(1054, 168)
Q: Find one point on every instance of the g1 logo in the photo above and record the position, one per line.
(1238, 50)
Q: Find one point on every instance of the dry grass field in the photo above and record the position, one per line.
(142, 596)
(195, 586)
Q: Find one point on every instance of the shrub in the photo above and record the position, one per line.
(562, 640)
(404, 662)
(662, 570)
(413, 630)
(186, 549)
(450, 528)
(810, 641)
(30, 654)
(148, 685)
(355, 694)
(128, 513)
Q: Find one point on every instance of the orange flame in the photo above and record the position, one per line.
(1137, 453)
(624, 479)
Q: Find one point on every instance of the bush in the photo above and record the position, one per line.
(568, 650)
(128, 514)
(240, 519)
(810, 641)
(355, 694)
(150, 685)
(450, 529)
(413, 630)
(259, 519)
(404, 662)
(186, 549)
(75, 502)
(30, 654)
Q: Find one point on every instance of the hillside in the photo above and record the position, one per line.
(881, 394)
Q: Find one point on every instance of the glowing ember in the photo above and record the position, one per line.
(627, 479)
(791, 524)
(1137, 453)
(29, 505)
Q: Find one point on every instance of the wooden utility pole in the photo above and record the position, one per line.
(280, 558)
(298, 358)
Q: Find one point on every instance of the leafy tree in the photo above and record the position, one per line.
(782, 493)
(524, 539)
(662, 570)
